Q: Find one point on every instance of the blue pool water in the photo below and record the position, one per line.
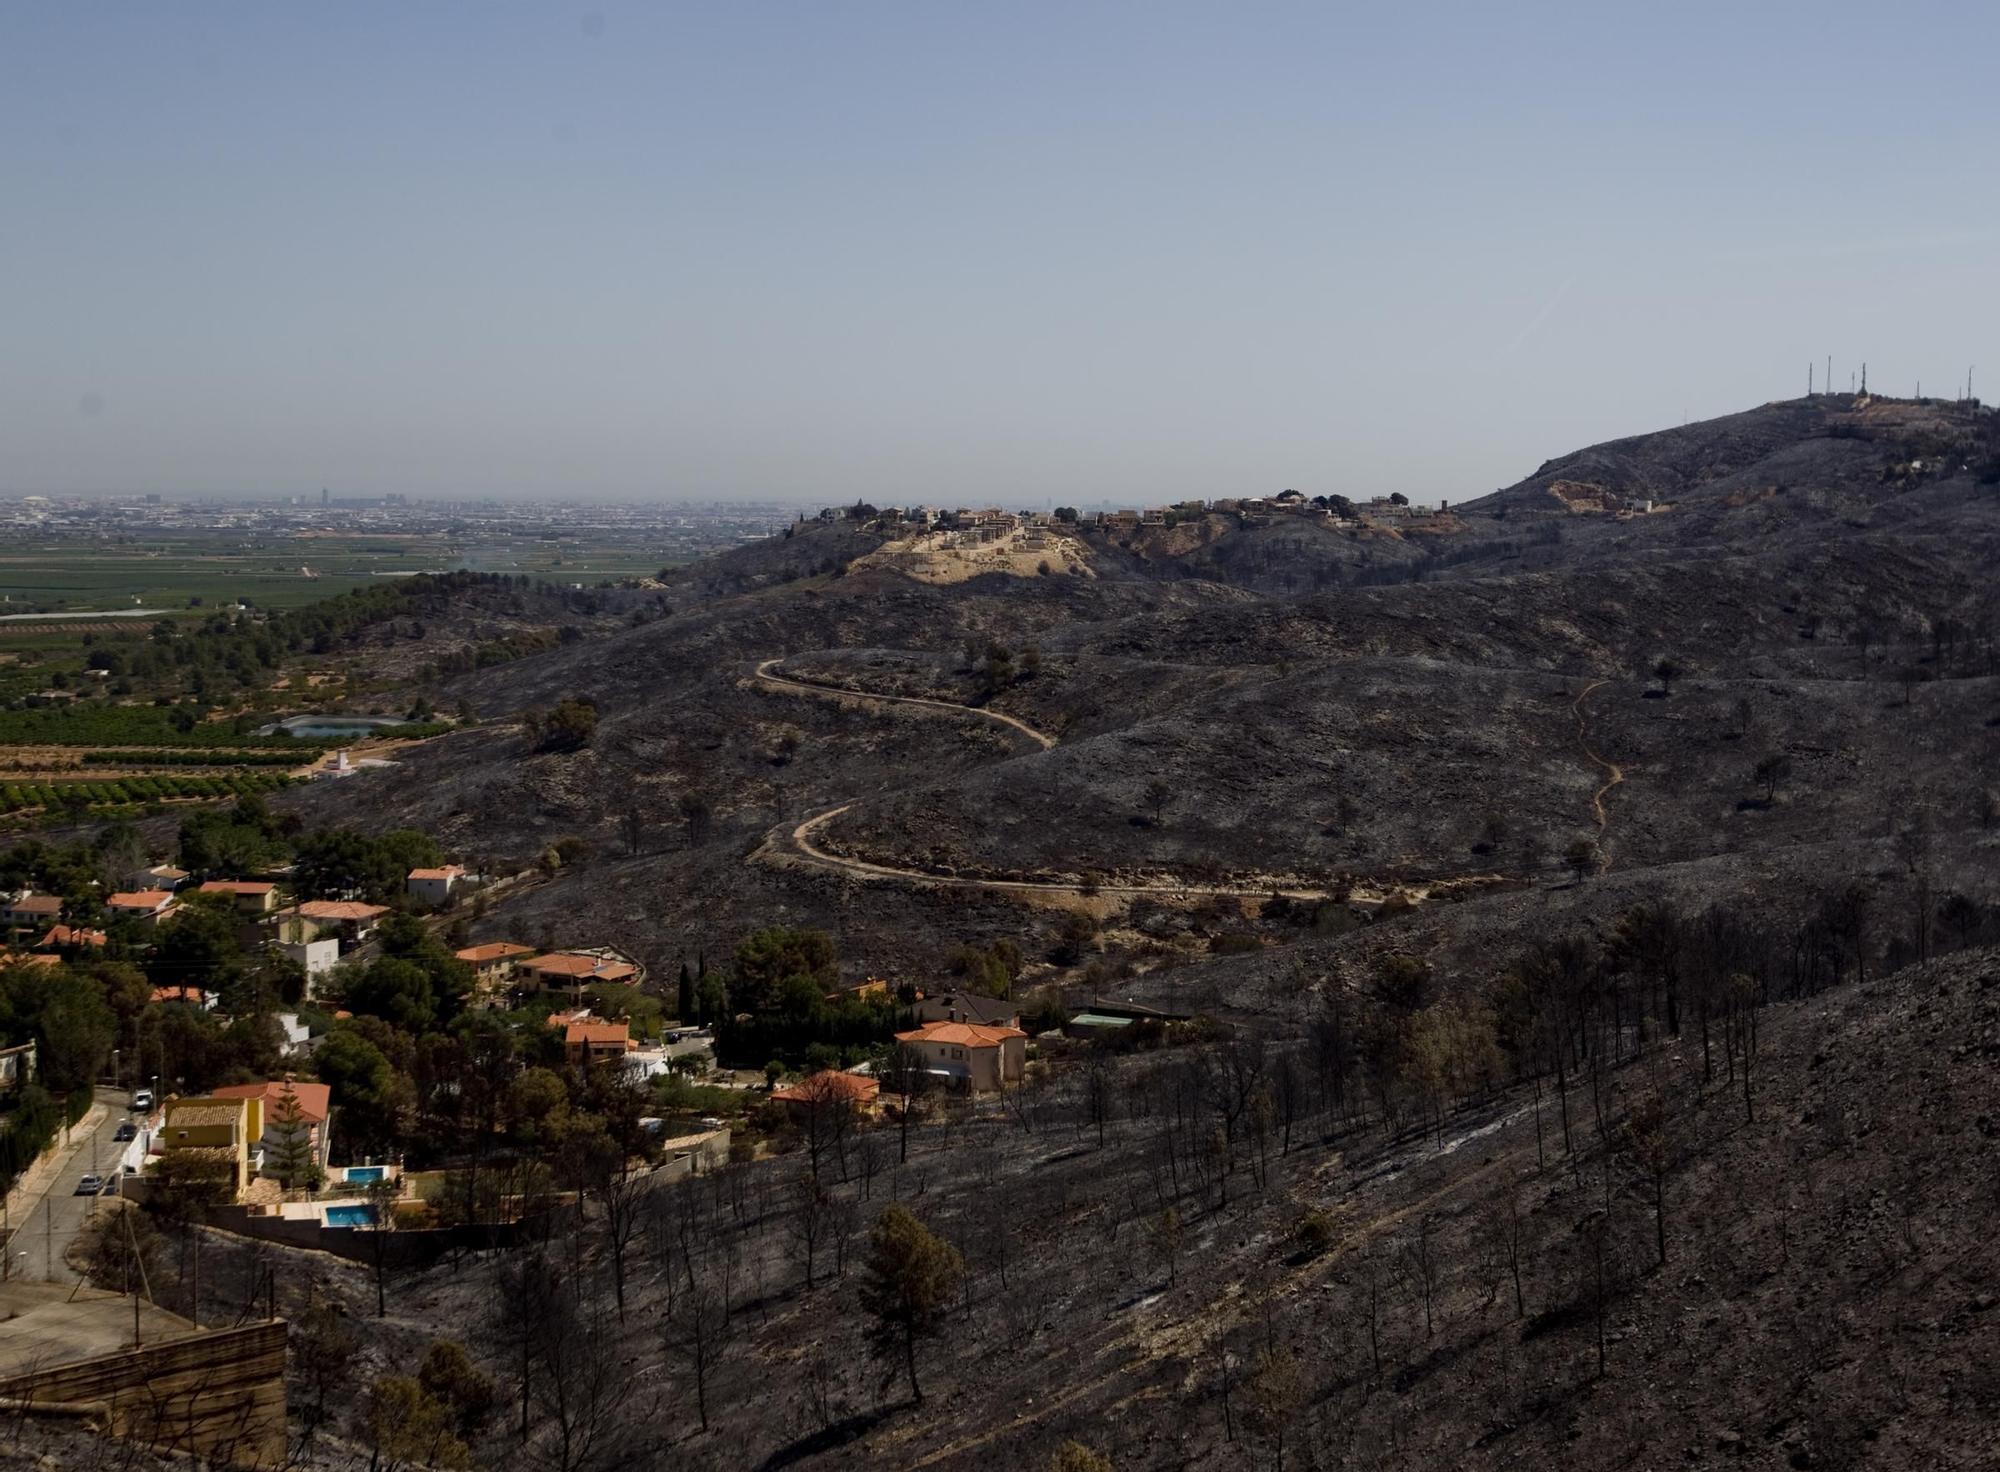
(350, 1216)
(363, 1174)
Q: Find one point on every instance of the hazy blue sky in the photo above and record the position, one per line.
(964, 251)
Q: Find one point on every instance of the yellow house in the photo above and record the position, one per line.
(250, 896)
(213, 1132)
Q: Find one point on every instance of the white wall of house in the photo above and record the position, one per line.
(431, 891)
(317, 957)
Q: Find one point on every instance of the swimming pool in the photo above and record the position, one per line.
(329, 728)
(363, 1175)
(350, 1216)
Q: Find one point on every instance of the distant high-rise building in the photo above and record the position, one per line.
(322, 498)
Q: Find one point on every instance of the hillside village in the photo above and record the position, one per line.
(325, 974)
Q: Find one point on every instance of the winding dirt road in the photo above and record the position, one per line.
(799, 840)
(1614, 774)
(858, 697)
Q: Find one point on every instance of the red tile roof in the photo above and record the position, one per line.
(314, 1099)
(236, 886)
(180, 994)
(829, 1085)
(493, 950)
(37, 904)
(449, 871)
(598, 1034)
(582, 968)
(340, 910)
(71, 935)
(960, 1034)
(138, 899)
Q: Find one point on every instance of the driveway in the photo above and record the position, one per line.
(44, 1214)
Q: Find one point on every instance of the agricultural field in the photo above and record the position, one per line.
(127, 797)
(183, 574)
(107, 715)
(62, 597)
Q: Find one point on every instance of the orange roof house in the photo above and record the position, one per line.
(433, 886)
(315, 1100)
(597, 1042)
(964, 1034)
(494, 950)
(32, 909)
(353, 919)
(140, 902)
(193, 995)
(62, 936)
(567, 969)
(341, 910)
(976, 1056)
(830, 1086)
(496, 960)
(253, 895)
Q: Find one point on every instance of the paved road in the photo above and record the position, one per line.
(47, 1216)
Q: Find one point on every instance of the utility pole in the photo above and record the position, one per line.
(1809, 373)
(1864, 378)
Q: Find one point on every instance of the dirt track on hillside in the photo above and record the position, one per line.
(1614, 774)
(798, 841)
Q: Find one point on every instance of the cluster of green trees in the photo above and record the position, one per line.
(75, 871)
(230, 652)
(329, 863)
(567, 727)
(94, 724)
(30, 1126)
(989, 970)
(775, 1006)
(339, 863)
(415, 983)
(245, 838)
(997, 668)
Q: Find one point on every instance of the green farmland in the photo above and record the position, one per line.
(76, 576)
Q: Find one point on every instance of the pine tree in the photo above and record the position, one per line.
(913, 1276)
(684, 1004)
(292, 1149)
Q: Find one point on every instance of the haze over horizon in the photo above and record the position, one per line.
(910, 252)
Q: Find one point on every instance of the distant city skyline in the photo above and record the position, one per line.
(1026, 255)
